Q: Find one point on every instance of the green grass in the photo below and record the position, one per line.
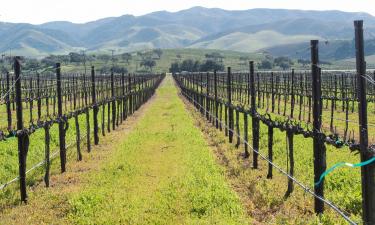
(163, 173)
(342, 187)
(9, 157)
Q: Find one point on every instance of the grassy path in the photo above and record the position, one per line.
(161, 172)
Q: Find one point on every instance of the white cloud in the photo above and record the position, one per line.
(40, 11)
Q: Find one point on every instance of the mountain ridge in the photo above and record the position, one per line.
(241, 30)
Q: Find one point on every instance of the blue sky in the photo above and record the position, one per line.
(79, 11)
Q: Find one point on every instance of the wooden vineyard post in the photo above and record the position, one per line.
(255, 121)
(272, 92)
(39, 101)
(367, 172)
(292, 96)
(333, 103)
(238, 128)
(108, 110)
(201, 107)
(290, 136)
(270, 151)
(207, 96)
(130, 95)
(47, 138)
(7, 99)
(84, 88)
(88, 129)
(75, 82)
(113, 101)
(246, 135)
(23, 138)
(78, 138)
(230, 108)
(102, 87)
(31, 102)
(118, 103)
(95, 106)
(319, 147)
(301, 98)
(123, 96)
(61, 122)
(13, 95)
(216, 101)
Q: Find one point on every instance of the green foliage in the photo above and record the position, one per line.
(189, 65)
(283, 62)
(215, 56)
(116, 69)
(158, 52)
(304, 62)
(50, 60)
(76, 57)
(265, 65)
(126, 57)
(175, 68)
(148, 63)
(210, 65)
(31, 64)
(104, 57)
(36, 154)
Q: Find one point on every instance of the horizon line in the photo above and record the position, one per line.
(177, 11)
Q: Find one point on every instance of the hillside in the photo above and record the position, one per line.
(328, 50)
(198, 27)
(250, 42)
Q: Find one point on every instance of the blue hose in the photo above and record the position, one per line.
(344, 164)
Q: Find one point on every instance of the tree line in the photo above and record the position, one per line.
(146, 60)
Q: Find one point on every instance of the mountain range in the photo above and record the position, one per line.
(266, 30)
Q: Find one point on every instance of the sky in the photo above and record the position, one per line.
(80, 11)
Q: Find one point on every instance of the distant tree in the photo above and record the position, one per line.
(158, 52)
(175, 68)
(179, 57)
(50, 60)
(210, 65)
(265, 65)
(304, 62)
(76, 57)
(145, 55)
(104, 57)
(325, 62)
(215, 56)
(64, 59)
(148, 63)
(32, 64)
(284, 65)
(90, 58)
(197, 66)
(126, 57)
(190, 65)
(244, 58)
(119, 69)
(269, 57)
(116, 69)
(283, 62)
